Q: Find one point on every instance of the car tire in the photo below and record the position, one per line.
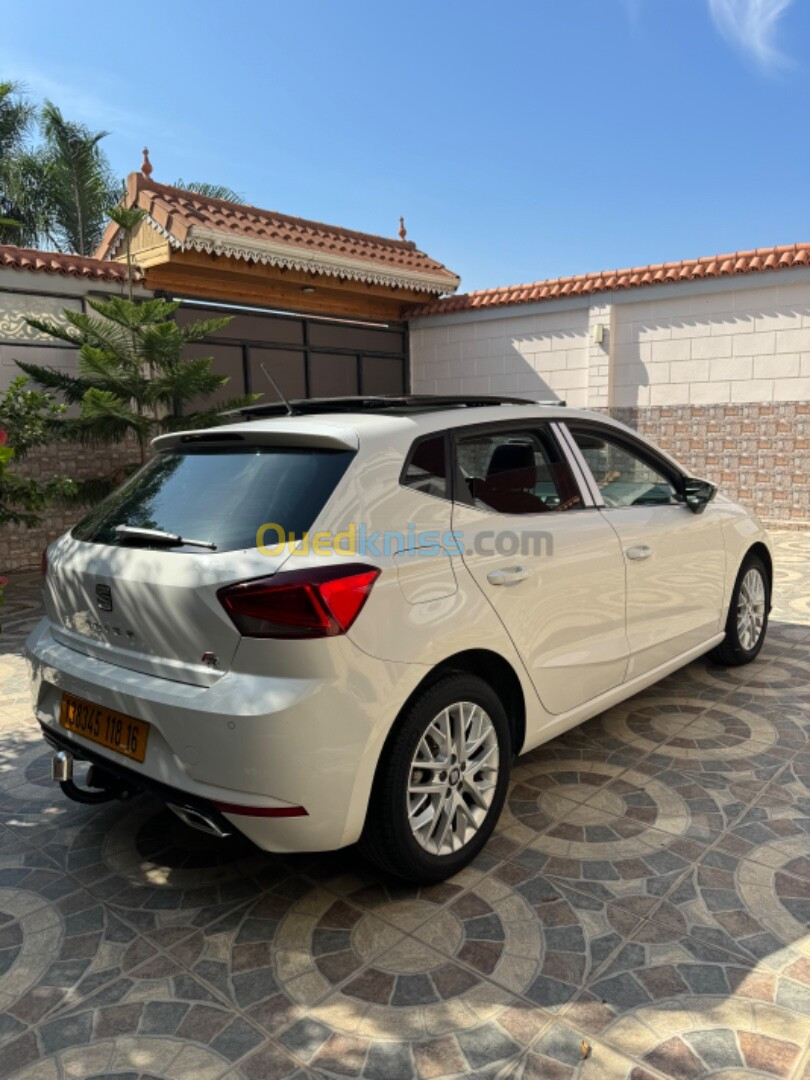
(415, 756)
(747, 621)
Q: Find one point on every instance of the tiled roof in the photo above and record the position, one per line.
(710, 266)
(51, 262)
(197, 222)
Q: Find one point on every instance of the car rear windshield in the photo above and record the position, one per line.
(221, 496)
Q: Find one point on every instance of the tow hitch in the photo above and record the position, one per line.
(107, 785)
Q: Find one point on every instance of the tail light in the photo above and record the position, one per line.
(320, 602)
(43, 562)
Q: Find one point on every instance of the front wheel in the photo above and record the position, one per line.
(441, 782)
(747, 620)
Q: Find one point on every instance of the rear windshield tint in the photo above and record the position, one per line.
(221, 495)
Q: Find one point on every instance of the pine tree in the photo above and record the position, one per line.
(132, 375)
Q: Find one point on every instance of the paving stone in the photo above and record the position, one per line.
(717, 1048)
(305, 1038)
(482, 1046)
(57, 1034)
(162, 1017)
(385, 1060)
(238, 1039)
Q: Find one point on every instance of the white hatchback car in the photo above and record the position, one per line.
(466, 579)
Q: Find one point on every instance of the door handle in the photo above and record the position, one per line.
(639, 552)
(508, 576)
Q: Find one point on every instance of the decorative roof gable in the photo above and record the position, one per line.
(193, 222)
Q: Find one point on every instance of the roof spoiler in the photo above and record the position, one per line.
(333, 437)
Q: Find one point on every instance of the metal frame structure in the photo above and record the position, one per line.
(397, 331)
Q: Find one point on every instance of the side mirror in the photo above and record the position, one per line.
(698, 493)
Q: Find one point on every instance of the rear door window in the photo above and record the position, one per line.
(221, 495)
(514, 472)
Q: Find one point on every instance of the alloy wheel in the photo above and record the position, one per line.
(452, 778)
(751, 609)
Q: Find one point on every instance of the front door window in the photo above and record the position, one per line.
(623, 476)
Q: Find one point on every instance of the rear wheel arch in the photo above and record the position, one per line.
(493, 669)
(391, 837)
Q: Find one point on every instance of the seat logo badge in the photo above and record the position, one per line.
(104, 600)
(209, 658)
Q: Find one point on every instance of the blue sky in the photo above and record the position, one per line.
(521, 140)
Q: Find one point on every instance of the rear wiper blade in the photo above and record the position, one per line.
(158, 536)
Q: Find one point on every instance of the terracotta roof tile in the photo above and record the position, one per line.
(193, 221)
(52, 262)
(740, 262)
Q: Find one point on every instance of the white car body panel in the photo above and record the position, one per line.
(675, 592)
(567, 616)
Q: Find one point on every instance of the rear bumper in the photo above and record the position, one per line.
(135, 781)
(257, 742)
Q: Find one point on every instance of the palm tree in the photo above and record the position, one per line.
(212, 191)
(79, 186)
(57, 193)
(16, 116)
(25, 197)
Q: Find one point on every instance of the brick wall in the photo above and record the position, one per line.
(759, 454)
(20, 548)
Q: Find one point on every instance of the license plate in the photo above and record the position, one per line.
(123, 734)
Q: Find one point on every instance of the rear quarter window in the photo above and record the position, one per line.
(221, 495)
(425, 469)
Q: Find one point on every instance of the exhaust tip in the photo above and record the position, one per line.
(62, 766)
(196, 819)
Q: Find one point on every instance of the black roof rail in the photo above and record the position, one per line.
(383, 403)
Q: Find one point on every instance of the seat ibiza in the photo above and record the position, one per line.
(341, 620)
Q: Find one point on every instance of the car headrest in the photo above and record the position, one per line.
(509, 457)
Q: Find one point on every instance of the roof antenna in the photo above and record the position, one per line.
(276, 387)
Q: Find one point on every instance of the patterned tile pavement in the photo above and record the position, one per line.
(642, 912)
